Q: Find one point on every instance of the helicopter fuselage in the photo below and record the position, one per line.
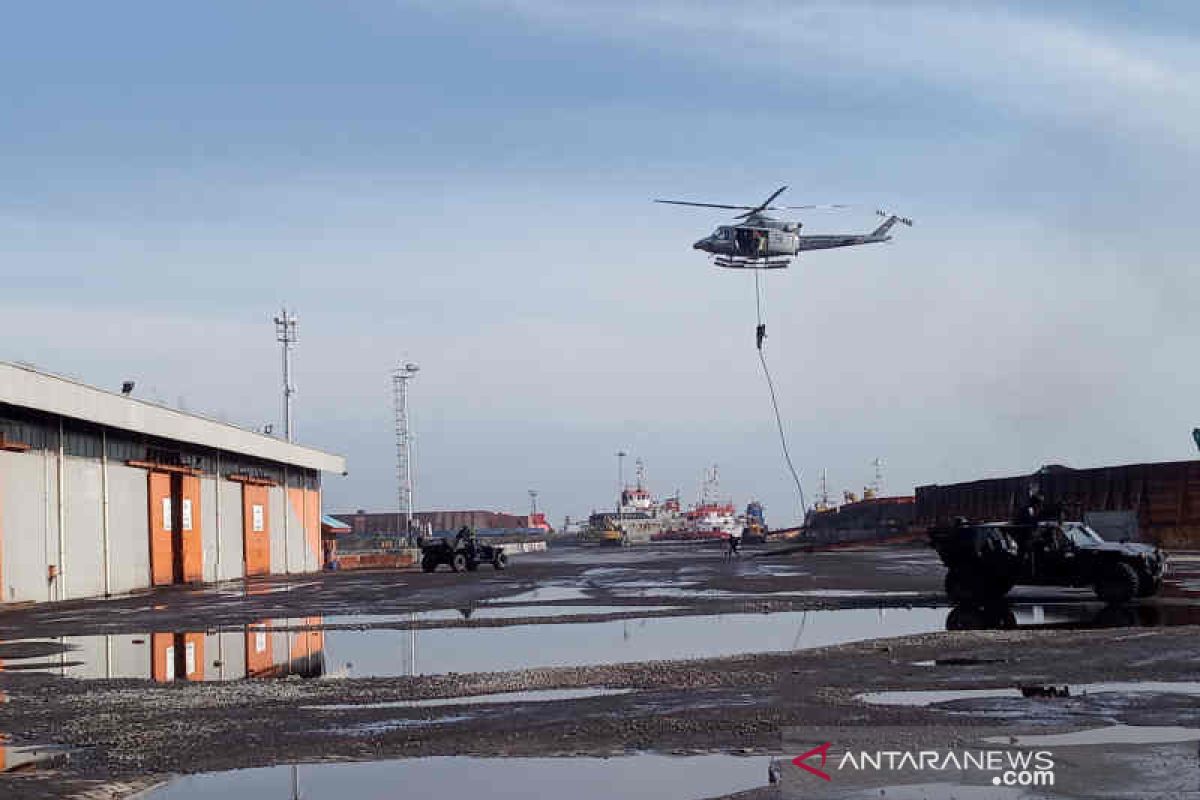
(763, 237)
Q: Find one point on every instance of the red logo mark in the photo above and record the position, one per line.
(820, 750)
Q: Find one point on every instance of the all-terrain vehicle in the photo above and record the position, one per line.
(464, 552)
(984, 561)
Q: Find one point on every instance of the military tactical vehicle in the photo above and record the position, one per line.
(463, 553)
(984, 561)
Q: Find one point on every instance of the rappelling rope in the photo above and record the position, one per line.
(760, 333)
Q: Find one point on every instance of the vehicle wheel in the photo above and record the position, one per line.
(1148, 587)
(459, 562)
(500, 561)
(1117, 584)
(428, 564)
(472, 565)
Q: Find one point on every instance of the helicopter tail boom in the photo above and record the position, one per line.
(891, 220)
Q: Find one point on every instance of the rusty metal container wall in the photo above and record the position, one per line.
(1164, 496)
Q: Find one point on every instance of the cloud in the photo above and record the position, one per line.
(1041, 63)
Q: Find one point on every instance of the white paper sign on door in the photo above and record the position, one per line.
(187, 514)
(259, 522)
(166, 521)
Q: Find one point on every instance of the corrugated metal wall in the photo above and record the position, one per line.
(103, 510)
(1165, 497)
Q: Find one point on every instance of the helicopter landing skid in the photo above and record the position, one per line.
(737, 262)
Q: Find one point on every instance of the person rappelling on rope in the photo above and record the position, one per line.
(760, 333)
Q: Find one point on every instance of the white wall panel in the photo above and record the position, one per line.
(233, 564)
(84, 553)
(29, 542)
(128, 528)
(279, 544)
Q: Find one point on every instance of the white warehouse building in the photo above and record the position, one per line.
(102, 494)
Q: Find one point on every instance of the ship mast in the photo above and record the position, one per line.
(823, 497)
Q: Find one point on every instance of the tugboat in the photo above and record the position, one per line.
(638, 518)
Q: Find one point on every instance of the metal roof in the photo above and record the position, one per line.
(27, 387)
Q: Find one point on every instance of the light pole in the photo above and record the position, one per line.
(285, 334)
(621, 471)
(404, 475)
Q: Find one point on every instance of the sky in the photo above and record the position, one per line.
(467, 184)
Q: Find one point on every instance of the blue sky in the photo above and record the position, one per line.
(466, 184)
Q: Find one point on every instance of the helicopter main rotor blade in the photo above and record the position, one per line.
(766, 203)
(701, 205)
(810, 207)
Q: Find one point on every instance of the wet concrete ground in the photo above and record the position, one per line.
(694, 654)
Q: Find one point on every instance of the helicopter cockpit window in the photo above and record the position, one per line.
(722, 235)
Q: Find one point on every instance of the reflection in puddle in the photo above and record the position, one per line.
(1111, 734)
(1006, 616)
(635, 777)
(929, 697)
(487, 612)
(248, 651)
(533, 696)
(282, 647)
(385, 653)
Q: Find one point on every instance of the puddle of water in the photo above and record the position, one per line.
(248, 651)
(533, 696)
(653, 590)
(934, 696)
(547, 594)
(383, 726)
(385, 653)
(1111, 734)
(487, 612)
(844, 593)
(634, 777)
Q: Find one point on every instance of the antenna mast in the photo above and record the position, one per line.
(878, 484)
(404, 478)
(285, 334)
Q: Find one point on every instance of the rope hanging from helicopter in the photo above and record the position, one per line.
(760, 333)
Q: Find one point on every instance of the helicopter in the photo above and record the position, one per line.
(761, 241)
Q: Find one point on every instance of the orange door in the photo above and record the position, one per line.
(162, 650)
(189, 648)
(177, 656)
(162, 549)
(256, 529)
(190, 536)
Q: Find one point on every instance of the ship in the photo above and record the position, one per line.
(866, 518)
(708, 519)
(639, 517)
